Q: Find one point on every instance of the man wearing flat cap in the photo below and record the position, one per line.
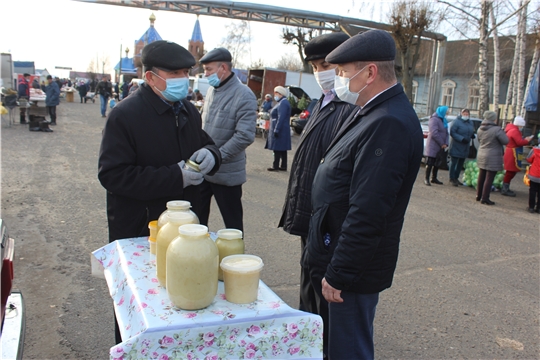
(322, 126)
(360, 192)
(229, 116)
(146, 141)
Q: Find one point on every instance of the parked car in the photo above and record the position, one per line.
(424, 121)
(299, 122)
(12, 311)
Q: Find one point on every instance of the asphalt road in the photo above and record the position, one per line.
(466, 286)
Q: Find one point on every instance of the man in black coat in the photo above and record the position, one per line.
(360, 193)
(320, 129)
(146, 141)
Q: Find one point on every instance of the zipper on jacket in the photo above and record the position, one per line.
(176, 116)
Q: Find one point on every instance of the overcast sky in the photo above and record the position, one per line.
(69, 33)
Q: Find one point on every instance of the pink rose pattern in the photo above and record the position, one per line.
(267, 339)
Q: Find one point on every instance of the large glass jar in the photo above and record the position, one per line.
(229, 242)
(192, 268)
(177, 206)
(164, 237)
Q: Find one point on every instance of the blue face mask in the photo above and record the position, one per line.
(177, 88)
(214, 80)
(277, 98)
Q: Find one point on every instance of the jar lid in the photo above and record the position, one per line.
(177, 217)
(193, 230)
(229, 234)
(152, 224)
(241, 263)
(178, 205)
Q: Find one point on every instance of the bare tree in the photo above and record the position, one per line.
(257, 64)
(496, 62)
(478, 18)
(408, 20)
(299, 37)
(289, 62)
(237, 40)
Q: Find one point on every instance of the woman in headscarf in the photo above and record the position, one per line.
(437, 140)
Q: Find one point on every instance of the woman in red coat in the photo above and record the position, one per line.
(513, 153)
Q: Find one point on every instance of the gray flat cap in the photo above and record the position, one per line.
(320, 46)
(218, 54)
(166, 55)
(372, 45)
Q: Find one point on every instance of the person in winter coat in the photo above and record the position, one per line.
(104, 89)
(146, 141)
(279, 135)
(52, 99)
(322, 126)
(23, 92)
(513, 153)
(267, 103)
(360, 192)
(534, 176)
(461, 133)
(437, 139)
(83, 90)
(489, 159)
(230, 117)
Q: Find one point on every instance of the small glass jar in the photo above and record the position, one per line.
(192, 268)
(152, 226)
(164, 237)
(229, 242)
(177, 206)
(192, 166)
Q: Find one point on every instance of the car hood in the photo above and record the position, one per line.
(298, 92)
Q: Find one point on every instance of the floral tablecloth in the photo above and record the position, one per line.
(153, 328)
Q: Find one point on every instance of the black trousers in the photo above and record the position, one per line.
(534, 195)
(280, 155)
(485, 180)
(229, 201)
(316, 277)
(52, 113)
(308, 299)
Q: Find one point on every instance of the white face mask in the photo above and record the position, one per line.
(325, 78)
(464, 117)
(343, 92)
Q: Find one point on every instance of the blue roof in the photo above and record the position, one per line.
(197, 34)
(127, 66)
(150, 36)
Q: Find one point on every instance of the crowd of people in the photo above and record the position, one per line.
(499, 149)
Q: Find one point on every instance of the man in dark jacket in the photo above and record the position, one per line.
(146, 141)
(104, 89)
(52, 99)
(320, 129)
(24, 93)
(360, 192)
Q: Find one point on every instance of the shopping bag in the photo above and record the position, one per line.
(526, 179)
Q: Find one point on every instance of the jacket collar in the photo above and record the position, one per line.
(157, 103)
(357, 115)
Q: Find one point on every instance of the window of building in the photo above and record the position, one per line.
(474, 95)
(448, 87)
(414, 91)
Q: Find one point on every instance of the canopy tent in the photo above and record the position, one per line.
(531, 99)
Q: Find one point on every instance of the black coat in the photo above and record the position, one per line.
(360, 193)
(143, 141)
(320, 129)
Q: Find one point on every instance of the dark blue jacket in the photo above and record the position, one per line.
(320, 129)
(53, 94)
(360, 193)
(24, 89)
(267, 106)
(279, 135)
(459, 130)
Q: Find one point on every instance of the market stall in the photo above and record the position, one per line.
(152, 326)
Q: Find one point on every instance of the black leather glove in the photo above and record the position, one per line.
(465, 141)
